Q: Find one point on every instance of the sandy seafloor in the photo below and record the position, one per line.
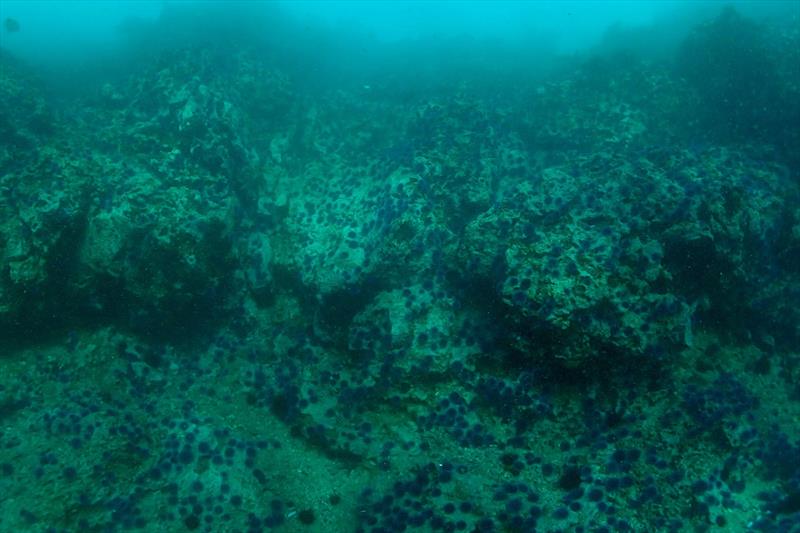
(238, 297)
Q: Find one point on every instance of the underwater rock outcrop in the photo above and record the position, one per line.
(233, 302)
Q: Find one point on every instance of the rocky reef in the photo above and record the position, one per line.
(230, 303)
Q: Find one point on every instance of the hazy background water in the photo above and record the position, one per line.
(84, 36)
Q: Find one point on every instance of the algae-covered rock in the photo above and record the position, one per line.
(44, 208)
(26, 119)
(167, 252)
(582, 260)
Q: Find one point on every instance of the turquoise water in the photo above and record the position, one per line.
(399, 267)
